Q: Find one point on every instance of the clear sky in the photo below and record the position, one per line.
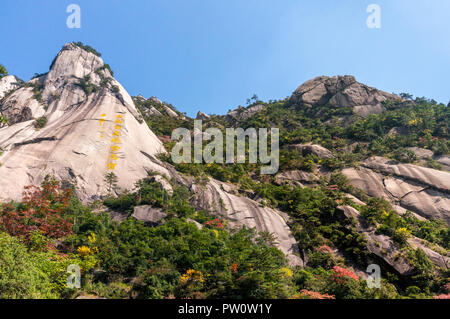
(212, 55)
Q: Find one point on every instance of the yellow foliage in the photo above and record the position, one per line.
(192, 276)
(84, 251)
(286, 272)
(92, 238)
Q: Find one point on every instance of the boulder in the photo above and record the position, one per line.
(306, 149)
(148, 214)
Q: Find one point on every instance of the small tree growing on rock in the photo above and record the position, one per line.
(111, 180)
(3, 71)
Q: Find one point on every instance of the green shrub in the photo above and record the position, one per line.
(3, 71)
(21, 273)
(87, 48)
(40, 122)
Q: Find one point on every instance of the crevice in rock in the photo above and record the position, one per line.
(35, 141)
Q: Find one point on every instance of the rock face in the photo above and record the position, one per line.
(170, 112)
(216, 197)
(160, 109)
(424, 191)
(444, 161)
(341, 91)
(379, 245)
(421, 152)
(8, 83)
(306, 149)
(297, 177)
(148, 214)
(22, 105)
(386, 249)
(241, 113)
(202, 116)
(87, 135)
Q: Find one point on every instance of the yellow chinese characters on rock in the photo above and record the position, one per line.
(101, 123)
(115, 143)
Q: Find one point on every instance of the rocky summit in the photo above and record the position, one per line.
(363, 180)
(87, 116)
(342, 91)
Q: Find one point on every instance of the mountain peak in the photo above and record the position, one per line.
(75, 59)
(342, 91)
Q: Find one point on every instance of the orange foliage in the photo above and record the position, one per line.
(234, 267)
(313, 295)
(340, 274)
(42, 210)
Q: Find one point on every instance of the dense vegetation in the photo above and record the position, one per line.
(194, 254)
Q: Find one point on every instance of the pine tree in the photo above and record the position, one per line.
(111, 180)
(3, 71)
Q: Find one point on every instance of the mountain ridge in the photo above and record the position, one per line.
(363, 177)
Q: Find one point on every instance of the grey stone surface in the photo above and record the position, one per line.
(148, 214)
(241, 113)
(341, 91)
(421, 190)
(71, 147)
(239, 211)
(306, 149)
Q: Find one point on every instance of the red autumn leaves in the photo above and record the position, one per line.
(42, 210)
(215, 223)
(340, 275)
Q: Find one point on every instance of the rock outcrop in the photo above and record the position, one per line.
(242, 113)
(217, 197)
(296, 177)
(379, 245)
(383, 247)
(315, 149)
(422, 190)
(341, 91)
(156, 107)
(92, 128)
(7, 84)
(202, 116)
(148, 214)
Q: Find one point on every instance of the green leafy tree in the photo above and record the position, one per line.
(21, 275)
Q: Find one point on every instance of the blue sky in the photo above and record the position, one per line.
(211, 55)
